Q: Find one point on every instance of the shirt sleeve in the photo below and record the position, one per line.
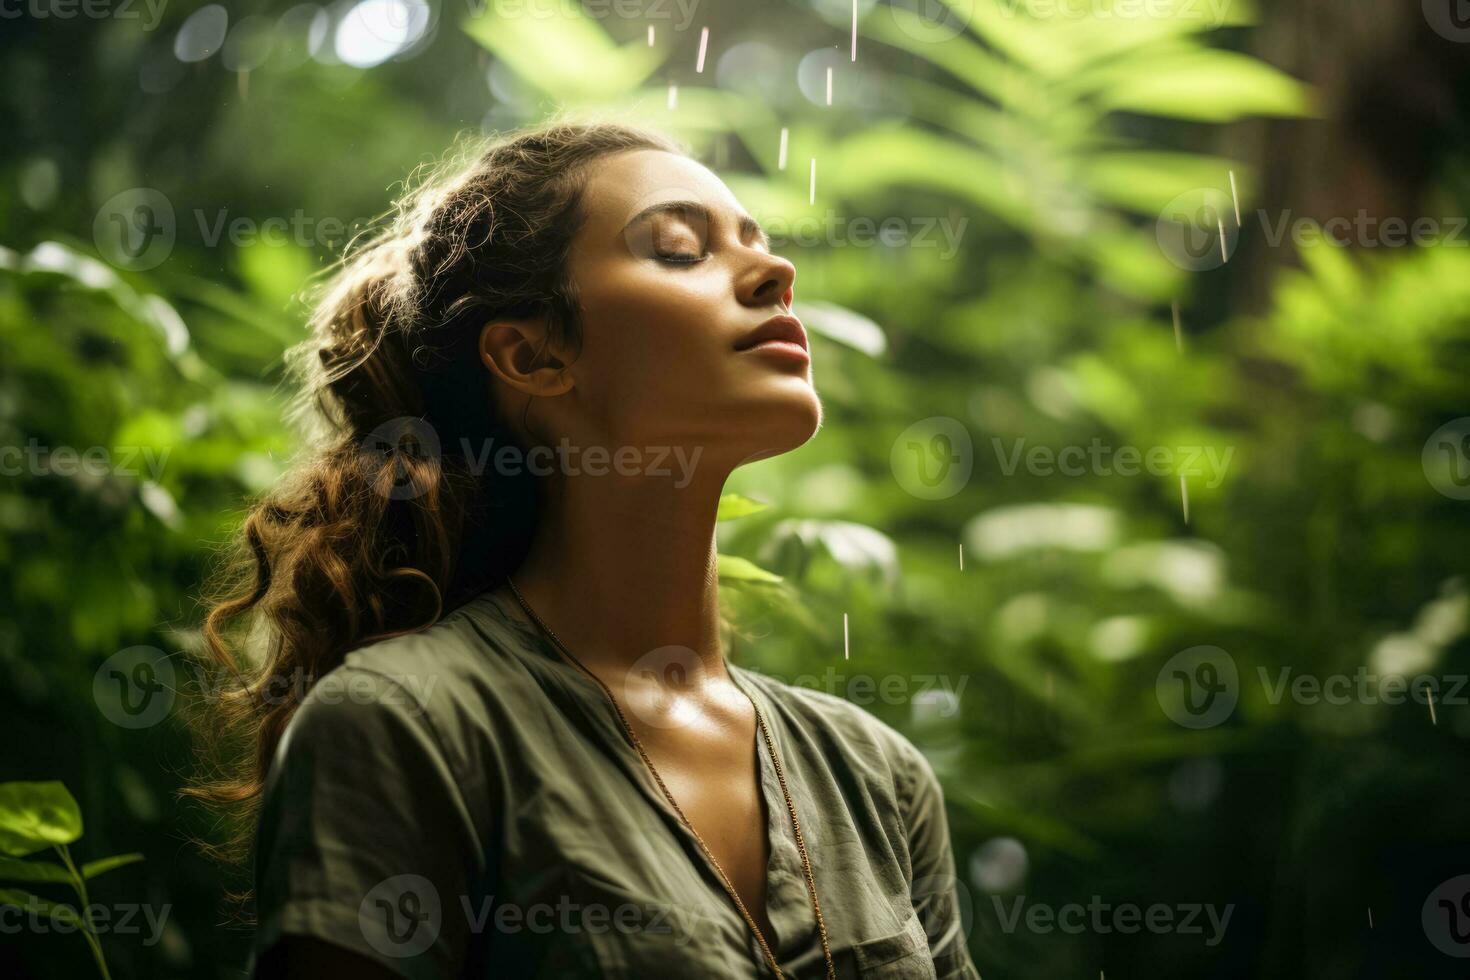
(364, 839)
(940, 899)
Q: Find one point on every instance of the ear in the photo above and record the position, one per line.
(519, 353)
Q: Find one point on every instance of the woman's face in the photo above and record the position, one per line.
(687, 337)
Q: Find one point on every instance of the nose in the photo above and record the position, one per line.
(769, 281)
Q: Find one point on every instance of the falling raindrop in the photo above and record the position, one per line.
(813, 71)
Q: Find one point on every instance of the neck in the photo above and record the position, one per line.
(622, 566)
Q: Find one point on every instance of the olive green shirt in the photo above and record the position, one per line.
(464, 802)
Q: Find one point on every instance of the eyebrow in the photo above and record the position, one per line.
(749, 227)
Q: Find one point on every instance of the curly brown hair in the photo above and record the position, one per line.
(383, 523)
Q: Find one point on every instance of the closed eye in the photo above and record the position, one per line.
(680, 258)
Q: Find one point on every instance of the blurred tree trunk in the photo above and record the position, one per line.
(1393, 101)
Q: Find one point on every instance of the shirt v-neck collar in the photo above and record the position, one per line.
(788, 906)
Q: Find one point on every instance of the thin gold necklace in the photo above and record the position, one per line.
(806, 864)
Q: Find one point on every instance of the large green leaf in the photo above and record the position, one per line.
(55, 910)
(564, 52)
(1100, 33)
(848, 327)
(961, 56)
(34, 816)
(736, 569)
(1207, 85)
(733, 505)
(885, 157)
(1145, 181)
(13, 869)
(103, 865)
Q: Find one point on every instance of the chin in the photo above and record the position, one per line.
(780, 425)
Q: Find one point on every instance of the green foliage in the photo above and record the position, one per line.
(33, 817)
(1314, 542)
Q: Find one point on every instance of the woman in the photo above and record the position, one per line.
(495, 733)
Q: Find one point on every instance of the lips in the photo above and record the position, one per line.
(782, 329)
